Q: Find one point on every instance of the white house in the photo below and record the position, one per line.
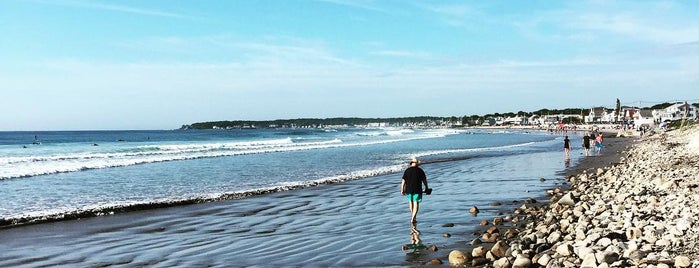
(676, 111)
(598, 115)
(643, 117)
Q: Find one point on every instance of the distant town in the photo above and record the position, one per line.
(636, 117)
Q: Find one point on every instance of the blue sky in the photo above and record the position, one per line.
(79, 64)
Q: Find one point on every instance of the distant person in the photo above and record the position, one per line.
(598, 143)
(586, 144)
(566, 146)
(411, 185)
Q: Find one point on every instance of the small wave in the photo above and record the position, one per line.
(60, 214)
(480, 149)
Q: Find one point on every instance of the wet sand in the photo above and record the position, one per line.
(358, 223)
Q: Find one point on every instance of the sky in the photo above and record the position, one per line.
(159, 64)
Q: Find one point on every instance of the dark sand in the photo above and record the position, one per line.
(358, 223)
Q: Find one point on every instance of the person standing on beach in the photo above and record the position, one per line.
(411, 185)
(586, 144)
(598, 143)
(566, 146)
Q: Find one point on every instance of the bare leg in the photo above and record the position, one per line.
(414, 207)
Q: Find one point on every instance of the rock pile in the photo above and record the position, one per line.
(643, 212)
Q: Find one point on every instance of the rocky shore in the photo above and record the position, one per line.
(640, 212)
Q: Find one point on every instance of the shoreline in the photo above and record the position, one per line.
(633, 206)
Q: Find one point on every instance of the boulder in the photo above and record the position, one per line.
(459, 258)
(478, 252)
(682, 261)
(502, 263)
(435, 262)
(567, 200)
(498, 221)
(522, 261)
(500, 249)
(474, 210)
(544, 260)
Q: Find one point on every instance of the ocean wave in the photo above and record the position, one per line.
(29, 166)
(466, 150)
(69, 213)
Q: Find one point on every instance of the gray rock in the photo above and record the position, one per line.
(607, 257)
(567, 200)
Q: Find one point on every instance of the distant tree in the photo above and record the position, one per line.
(660, 106)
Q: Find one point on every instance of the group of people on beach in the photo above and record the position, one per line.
(589, 140)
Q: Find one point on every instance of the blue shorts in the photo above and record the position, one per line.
(415, 197)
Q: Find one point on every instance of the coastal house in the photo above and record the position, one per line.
(677, 111)
(535, 120)
(516, 120)
(596, 114)
(643, 117)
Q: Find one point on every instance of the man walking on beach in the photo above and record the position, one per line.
(411, 185)
(566, 146)
(586, 144)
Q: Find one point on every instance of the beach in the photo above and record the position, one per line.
(636, 207)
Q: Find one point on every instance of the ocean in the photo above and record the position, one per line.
(337, 185)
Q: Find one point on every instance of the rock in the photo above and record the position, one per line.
(478, 252)
(459, 258)
(554, 237)
(498, 221)
(446, 235)
(564, 250)
(502, 263)
(544, 260)
(474, 210)
(500, 249)
(607, 257)
(604, 242)
(567, 200)
(682, 261)
(432, 248)
(521, 261)
(479, 261)
(496, 203)
(448, 225)
(484, 222)
(542, 180)
(493, 230)
(435, 262)
(589, 261)
(476, 242)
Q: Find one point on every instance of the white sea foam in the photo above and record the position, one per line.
(480, 149)
(27, 166)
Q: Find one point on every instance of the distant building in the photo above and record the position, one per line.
(677, 111)
(643, 117)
